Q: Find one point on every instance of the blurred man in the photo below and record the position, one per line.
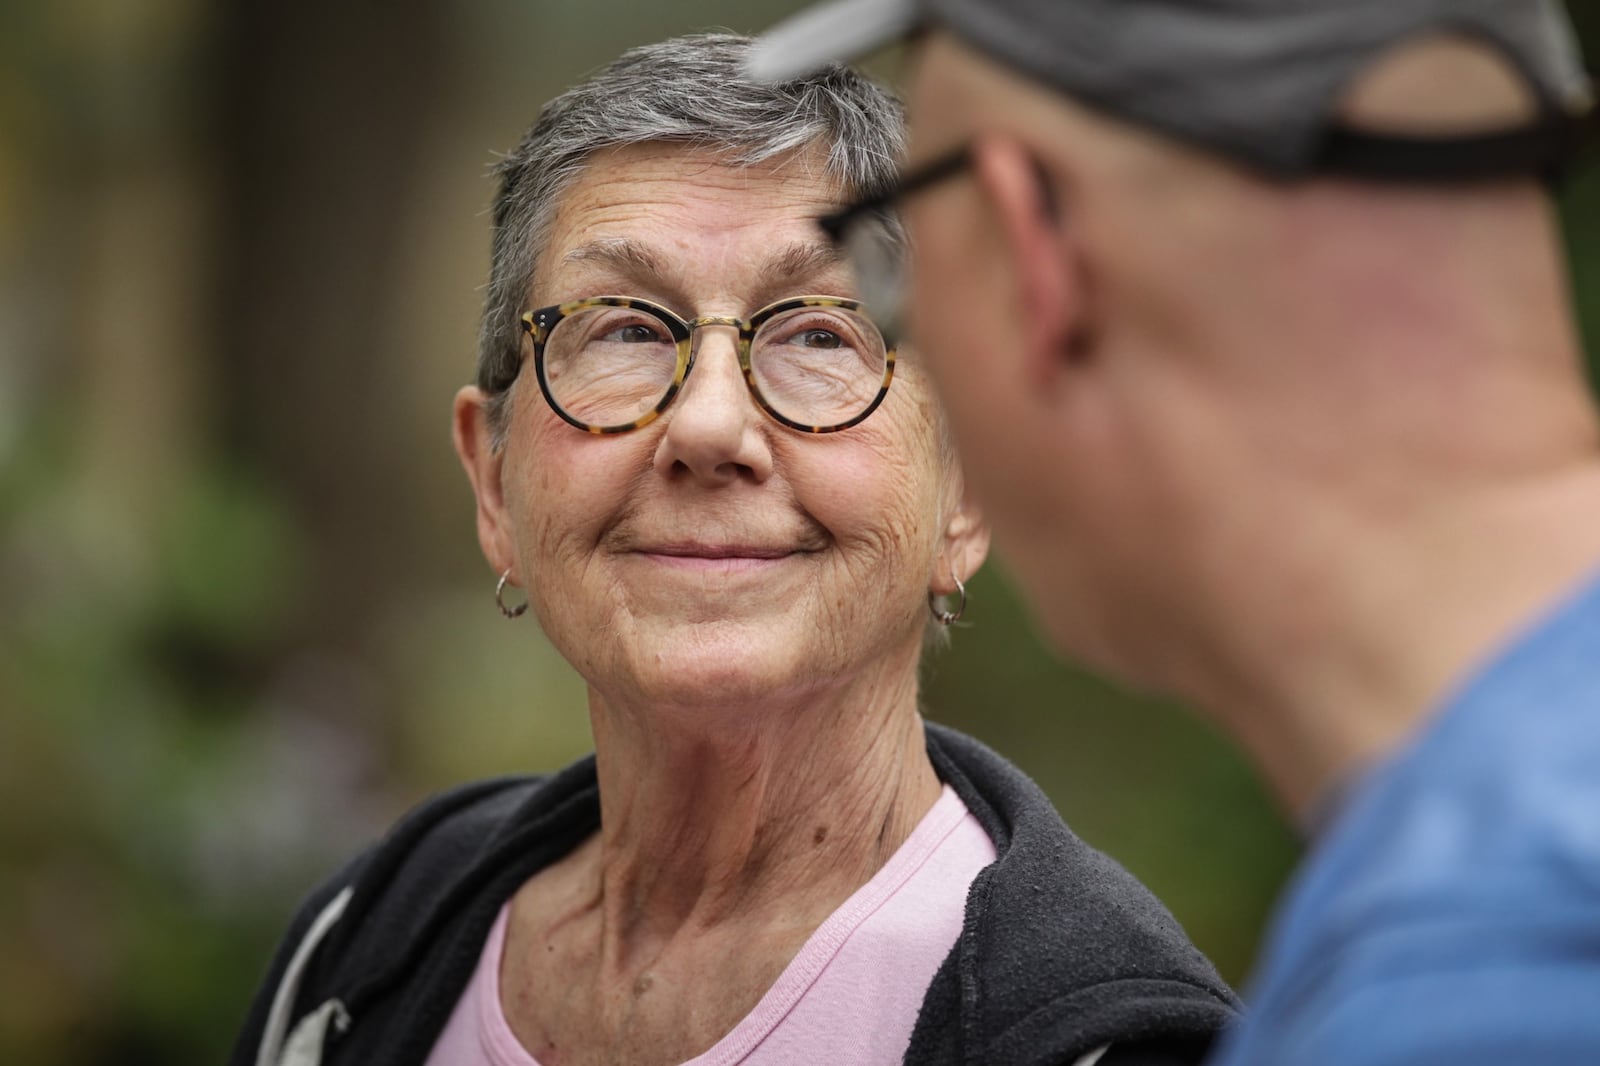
(1252, 324)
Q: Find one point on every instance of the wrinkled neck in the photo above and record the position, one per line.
(783, 809)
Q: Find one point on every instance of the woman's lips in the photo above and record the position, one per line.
(716, 558)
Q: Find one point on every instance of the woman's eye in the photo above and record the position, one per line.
(820, 338)
(634, 334)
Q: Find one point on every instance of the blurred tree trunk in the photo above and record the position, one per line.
(1580, 203)
(324, 111)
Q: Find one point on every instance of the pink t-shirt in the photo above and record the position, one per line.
(849, 998)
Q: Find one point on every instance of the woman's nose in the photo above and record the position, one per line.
(714, 430)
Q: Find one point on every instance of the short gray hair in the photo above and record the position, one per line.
(691, 91)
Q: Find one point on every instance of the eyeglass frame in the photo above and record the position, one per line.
(838, 224)
(541, 322)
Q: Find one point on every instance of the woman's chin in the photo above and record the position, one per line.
(710, 666)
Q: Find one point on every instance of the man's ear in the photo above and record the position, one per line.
(1044, 257)
(483, 464)
(965, 544)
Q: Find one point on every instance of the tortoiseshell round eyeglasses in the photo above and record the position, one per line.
(609, 364)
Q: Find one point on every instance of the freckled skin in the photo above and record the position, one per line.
(758, 743)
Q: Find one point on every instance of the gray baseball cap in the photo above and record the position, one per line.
(1254, 79)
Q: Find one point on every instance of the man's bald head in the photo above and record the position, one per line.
(1171, 225)
(1172, 321)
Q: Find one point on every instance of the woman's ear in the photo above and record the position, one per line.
(483, 463)
(1045, 258)
(965, 544)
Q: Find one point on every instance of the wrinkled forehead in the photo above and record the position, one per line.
(688, 223)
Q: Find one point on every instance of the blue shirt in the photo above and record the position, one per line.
(1451, 914)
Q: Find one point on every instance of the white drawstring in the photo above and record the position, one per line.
(1094, 1056)
(305, 1048)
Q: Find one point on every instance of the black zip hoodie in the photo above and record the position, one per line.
(1061, 952)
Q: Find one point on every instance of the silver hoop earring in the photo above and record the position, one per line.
(500, 601)
(945, 617)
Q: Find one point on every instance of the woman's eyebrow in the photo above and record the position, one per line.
(799, 261)
(640, 263)
(622, 254)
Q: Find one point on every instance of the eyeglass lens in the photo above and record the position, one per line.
(818, 366)
(875, 247)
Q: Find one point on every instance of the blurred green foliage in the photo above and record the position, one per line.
(243, 622)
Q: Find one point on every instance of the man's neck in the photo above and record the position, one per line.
(1388, 467)
(1390, 616)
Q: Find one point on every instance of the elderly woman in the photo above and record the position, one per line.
(732, 508)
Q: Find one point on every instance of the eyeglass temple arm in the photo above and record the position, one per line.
(836, 223)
